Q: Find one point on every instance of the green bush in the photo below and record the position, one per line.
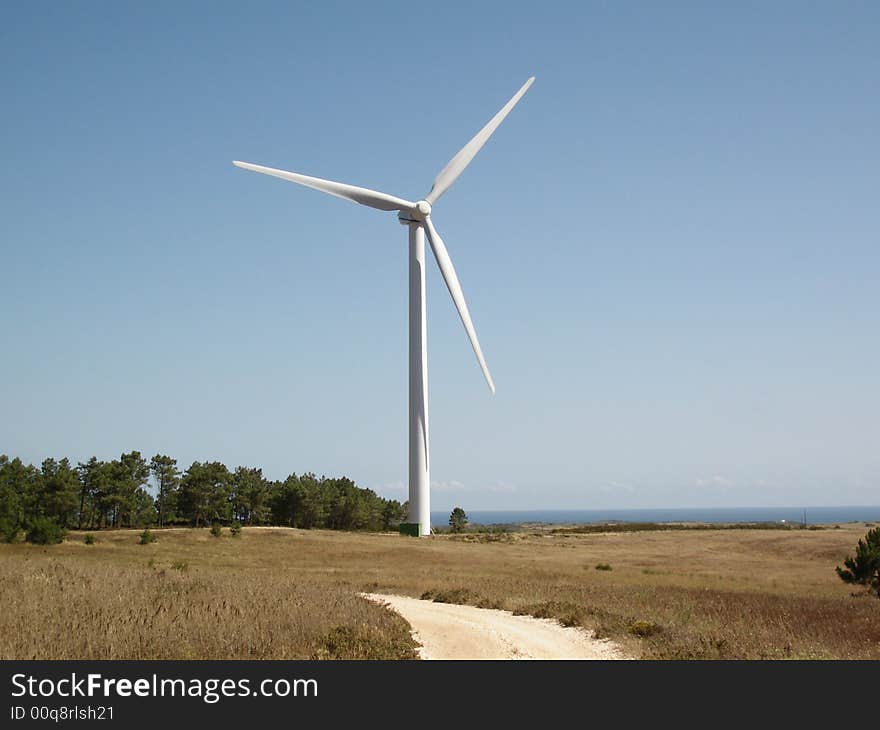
(216, 530)
(235, 529)
(44, 531)
(603, 566)
(147, 537)
(89, 539)
(9, 530)
(864, 567)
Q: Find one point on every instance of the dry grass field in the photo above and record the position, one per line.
(278, 593)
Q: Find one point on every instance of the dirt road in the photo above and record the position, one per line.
(451, 631)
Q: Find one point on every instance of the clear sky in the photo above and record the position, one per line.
(671, 247)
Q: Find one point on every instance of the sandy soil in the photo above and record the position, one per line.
(451, 631)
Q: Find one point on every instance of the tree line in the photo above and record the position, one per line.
(133, 492)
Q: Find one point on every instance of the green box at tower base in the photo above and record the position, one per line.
(410, 528)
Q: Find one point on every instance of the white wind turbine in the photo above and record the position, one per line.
(418, 217)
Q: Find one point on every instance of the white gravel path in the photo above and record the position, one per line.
(451, 631)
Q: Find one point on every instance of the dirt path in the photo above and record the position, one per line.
(451, 631)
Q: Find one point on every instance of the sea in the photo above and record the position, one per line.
(810, 515)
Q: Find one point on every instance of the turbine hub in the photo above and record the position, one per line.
(421, 210)
(416, 214)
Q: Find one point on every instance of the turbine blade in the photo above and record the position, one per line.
(364, 196)
(451, 279)
(456, 165)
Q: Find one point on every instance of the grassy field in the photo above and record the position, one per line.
(279, 593)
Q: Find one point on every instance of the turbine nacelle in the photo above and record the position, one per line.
(417, 214)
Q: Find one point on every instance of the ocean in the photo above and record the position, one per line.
(814, 515)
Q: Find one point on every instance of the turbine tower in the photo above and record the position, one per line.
(417, 217)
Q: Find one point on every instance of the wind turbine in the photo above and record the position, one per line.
(417, 216)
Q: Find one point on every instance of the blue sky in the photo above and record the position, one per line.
(670, 249)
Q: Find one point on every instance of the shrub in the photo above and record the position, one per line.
(566, 613)
(235, 529)
(864, 567)
(644, 628)
(9, 530)
(463, 596)
(147, 537)
(363, 642)
(180, 565)
(216, 530)
(603, 566)
(44, 531)
(89, 538)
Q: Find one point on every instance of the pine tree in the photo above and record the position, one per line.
(458, 520)
(864, 567)
(205, 492)
(167, 475)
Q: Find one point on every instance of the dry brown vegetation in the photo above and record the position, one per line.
(281, 593)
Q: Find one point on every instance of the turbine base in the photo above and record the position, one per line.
(411, 529)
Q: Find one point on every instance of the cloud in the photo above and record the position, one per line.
(397, 487)
(716, 482)
(767, 484)
(448, 486)
(454, 485)
(617, 487)
(500, 487)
